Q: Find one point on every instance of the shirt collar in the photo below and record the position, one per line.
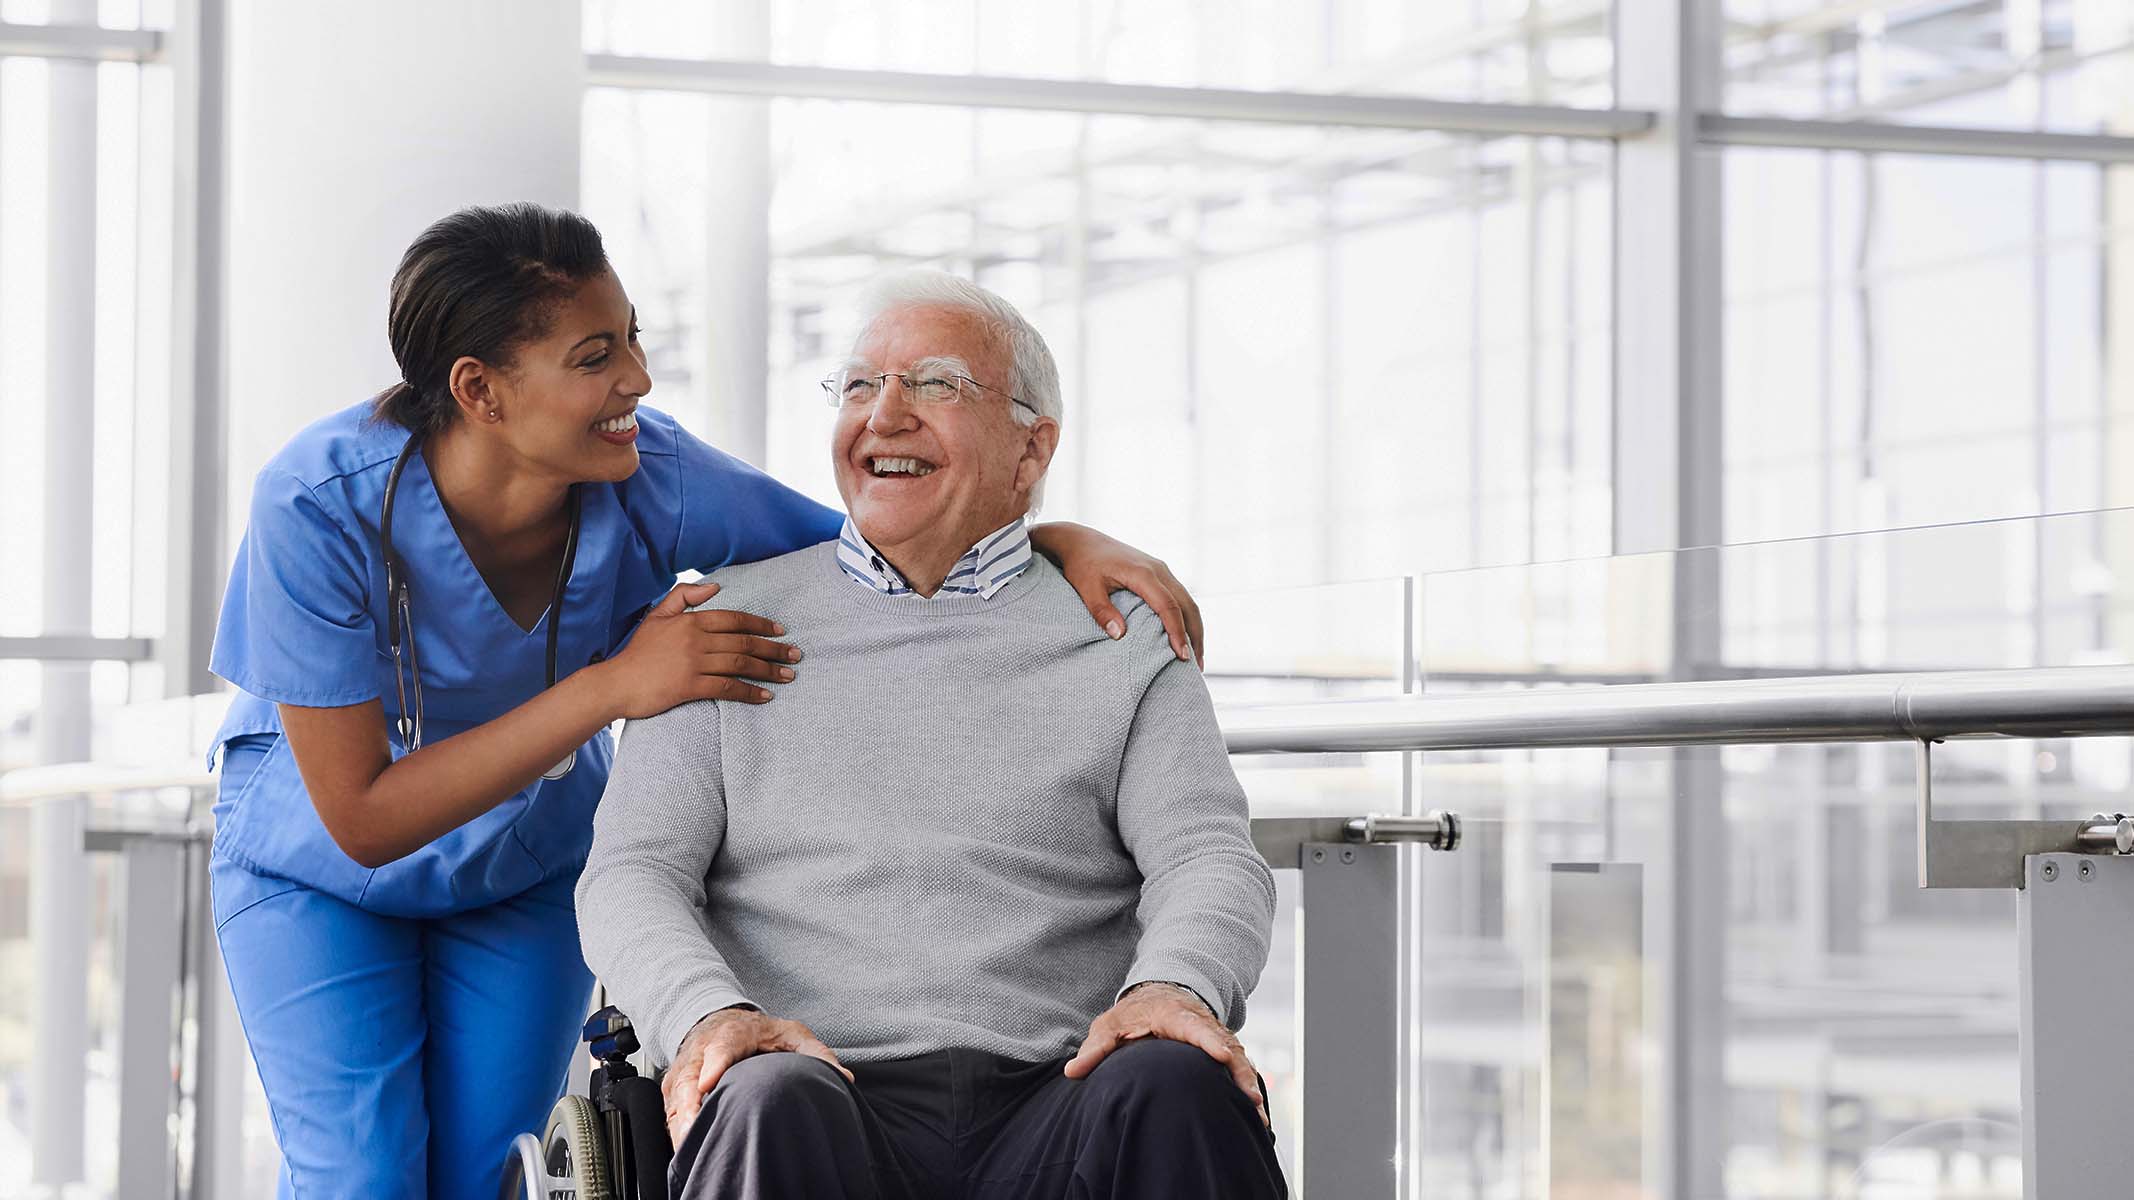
(983, 570)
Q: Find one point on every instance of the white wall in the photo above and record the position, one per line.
(352, 127)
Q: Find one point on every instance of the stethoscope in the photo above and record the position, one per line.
(400, 619)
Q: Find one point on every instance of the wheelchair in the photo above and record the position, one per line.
(609, 1145)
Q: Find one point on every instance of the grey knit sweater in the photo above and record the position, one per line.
(967, 823)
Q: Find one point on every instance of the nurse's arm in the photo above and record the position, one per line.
(379, 810)
(1097, 566)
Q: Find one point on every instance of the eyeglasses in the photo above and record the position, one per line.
(859, 389)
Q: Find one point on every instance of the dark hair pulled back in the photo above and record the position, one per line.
(480, 283)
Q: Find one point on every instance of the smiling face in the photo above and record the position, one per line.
(925, 482)
(567, 404)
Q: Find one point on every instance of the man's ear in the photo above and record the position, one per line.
(1040, 442)
(474, 389)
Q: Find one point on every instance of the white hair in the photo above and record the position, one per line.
(1033, 375)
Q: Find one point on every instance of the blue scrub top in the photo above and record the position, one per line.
(303, 622)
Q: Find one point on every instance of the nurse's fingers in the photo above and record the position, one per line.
(726, 620)
(743, 666)
(683, 596)
(754, 647)
(721, 687)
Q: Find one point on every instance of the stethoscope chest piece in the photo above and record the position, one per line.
(562, 768)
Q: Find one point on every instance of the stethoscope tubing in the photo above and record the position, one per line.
(400, 616)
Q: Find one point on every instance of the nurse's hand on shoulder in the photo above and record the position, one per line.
(719, 1041)
(1096, 565)
(677, 656)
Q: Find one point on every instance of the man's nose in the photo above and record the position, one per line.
(893, 410)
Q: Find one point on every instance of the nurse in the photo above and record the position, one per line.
(443, 598)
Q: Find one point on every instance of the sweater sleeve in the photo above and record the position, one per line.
(1207, 897)
(641, 898)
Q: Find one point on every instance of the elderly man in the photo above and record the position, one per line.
(972, 908)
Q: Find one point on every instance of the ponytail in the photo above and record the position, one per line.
(480, 284)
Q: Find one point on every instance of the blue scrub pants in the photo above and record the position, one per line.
(400, 1057)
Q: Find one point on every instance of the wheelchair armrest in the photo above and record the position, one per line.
(644, 1114)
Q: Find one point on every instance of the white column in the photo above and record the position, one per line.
(59, 875)
(737, 213)
(1667, 310)
(1668, 494)
(353, 126)
(70, 388)
(2098, 21)
(196, 512)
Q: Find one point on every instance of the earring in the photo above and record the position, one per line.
(493, 417)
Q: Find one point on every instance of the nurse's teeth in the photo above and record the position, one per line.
(622, 424)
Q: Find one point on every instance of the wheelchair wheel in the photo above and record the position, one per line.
(572, 1149)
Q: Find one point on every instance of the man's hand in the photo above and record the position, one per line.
(718, 1042)
(1174, 1013)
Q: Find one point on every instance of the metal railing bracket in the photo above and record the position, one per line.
(1990, 853)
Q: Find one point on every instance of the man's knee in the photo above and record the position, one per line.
(1173, 1123)
(778, 1083)
(1158, 1072)
(780, 1124)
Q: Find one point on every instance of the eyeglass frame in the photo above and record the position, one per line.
(832, 389)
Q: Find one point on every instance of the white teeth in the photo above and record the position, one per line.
(622, 424)
(902, 466)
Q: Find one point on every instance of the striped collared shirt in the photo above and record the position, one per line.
(983, 570)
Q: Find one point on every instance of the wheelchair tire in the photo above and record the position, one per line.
(573, 1148)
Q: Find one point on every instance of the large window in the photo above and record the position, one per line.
(87, 213)
(2059, 65)
(1551, 50)
(1374, 349)
(85, 304)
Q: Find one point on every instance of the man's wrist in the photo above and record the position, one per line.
(1195, 996)
(1046, 536)
(701, 1022)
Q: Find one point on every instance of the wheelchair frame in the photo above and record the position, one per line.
(628, 1155)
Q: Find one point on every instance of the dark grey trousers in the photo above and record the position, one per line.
(1155, 1119)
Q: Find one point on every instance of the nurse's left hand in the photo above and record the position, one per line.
(1098, 565)
(678, 655)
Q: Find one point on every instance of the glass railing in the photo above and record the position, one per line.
(1304, 645)
(121, 1068)
(1841, 1031)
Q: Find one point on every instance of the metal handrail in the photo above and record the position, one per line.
(1917, 706)
(2029, 702)
(97, 779)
